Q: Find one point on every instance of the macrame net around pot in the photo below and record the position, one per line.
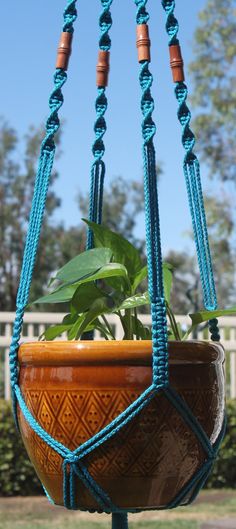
(159, 395)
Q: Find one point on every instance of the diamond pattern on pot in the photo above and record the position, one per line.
(68, 418)
(93, 416)
(55, 398)
(33, 399)
(45, 414)
(140, 449)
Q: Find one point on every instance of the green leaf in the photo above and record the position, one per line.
(123, 251)
(167, 280)
(139, 277)
(73, 331)
(134, 327)
(84, 296)
(56, 330)
(69, 318)
(140, 330)
(61, 295)
(98, 307)
(205, 315)
(181, 334)
(101, 327)
(170, 335)
(84, 264)
(65, 293)
(135, 301)
(119, 285)
(107, 271)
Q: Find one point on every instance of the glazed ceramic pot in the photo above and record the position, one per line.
(74, 389)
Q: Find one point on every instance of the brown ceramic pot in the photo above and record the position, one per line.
(76, 388)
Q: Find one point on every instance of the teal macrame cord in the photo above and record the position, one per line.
(191, 168)
(38, 205)
(120, 521)
(98, 168)
(73, 466)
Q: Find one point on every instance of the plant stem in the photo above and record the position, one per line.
(188, 332)
(108, 326)
(136, 321)
(173, 323)
(122, 322)
(129, 333)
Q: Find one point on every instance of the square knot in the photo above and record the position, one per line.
(71, 459)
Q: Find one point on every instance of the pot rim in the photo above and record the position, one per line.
(116, 352)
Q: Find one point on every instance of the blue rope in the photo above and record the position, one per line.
(119, 521)
(98, 149)
(98, 169)
(78, 470)
(73, 466)
(193, 183)
(142, 16)
(154, 257)
(70, 15)
(192, 488)
(172, 25)
(45, 164)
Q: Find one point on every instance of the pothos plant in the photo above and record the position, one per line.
(109, 279)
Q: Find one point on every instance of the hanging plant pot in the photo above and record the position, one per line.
(74, 389)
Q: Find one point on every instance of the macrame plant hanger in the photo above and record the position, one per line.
(73, 461)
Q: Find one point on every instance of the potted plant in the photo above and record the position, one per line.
(76, 387)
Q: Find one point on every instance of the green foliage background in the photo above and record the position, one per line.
(224, 471)
(17, 474)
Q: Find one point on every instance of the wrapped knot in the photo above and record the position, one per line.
(71, 459)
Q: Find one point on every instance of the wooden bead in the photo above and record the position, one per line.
(143, 43)
(103, 67)
(176, 63)
(64, 50)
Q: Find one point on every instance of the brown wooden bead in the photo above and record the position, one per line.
(143, 43)
(103, 67)
(64, 50)
(176, 63)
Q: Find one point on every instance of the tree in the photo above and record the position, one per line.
(187, 296)
(221, 228)
(122, 203)
(185, 292)
(214, 100)
(214, 86)
(16, 189)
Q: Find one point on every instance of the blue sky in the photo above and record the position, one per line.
(28, 42)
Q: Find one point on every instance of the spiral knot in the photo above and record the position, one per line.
(147, 103)
(100, 127)
(184, 117)
(142, 16)
(168, 5)
(214, 330)
(55, 102)
(70, 15)
(98, 147)
(105, 23)
(172, 25)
